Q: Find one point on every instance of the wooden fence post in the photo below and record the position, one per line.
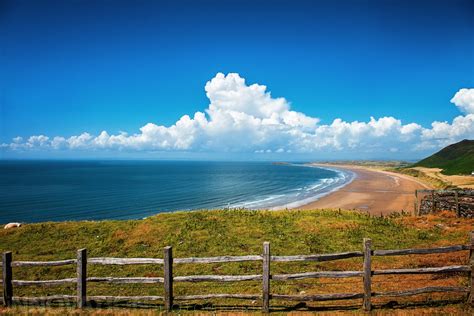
(168, 277)
(416, 203)
(81, 278)
(470, 298)
(7, 279)
(433, 205)
(456, 198)
(266, 277)
(367, 274)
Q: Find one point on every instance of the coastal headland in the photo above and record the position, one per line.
(373, 190)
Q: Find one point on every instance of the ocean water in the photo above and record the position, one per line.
(34, 191)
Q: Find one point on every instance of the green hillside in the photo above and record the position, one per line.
(457, 158)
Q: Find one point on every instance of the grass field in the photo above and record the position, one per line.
(240, 232)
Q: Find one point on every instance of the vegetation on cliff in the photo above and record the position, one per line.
(457, 158)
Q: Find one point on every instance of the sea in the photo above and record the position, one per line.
(51, 190)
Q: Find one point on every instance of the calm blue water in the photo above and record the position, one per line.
(33, 191)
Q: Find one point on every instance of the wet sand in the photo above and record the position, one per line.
(375, 191)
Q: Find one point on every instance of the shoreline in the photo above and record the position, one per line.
(371, 190)
(326, 190)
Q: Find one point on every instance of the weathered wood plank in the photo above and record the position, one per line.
(319, 297)
(415, 211)
(266, 277)
(7, 276)
(420, 251)
(81, 278)
(125, 261)
(168, 277)
(456, 200)
(125, 280)
(430, 289)
(126, 298)
(367, 274)
(319, 274)
(220, 259)
(43, 263)
(44, 282)
(217, 278)
(319, 258)
(470, 298)
(433, 202)
(43, 299)
(423, 270)
(210, 296)
(463, 192)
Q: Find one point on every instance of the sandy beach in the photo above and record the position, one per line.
(375, 191)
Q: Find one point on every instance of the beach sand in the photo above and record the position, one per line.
(375, 191)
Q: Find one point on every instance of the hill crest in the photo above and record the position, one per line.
(457, 158)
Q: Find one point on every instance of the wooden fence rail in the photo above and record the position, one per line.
(82, 279)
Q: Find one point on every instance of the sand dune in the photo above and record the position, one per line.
(462, 181)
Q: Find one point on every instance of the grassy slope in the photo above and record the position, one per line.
(236, 232)
(435, 183)
(454, 159)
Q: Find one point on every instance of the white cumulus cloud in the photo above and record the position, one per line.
(464, 100)
(247, 118)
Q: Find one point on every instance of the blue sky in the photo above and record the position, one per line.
(69, 67)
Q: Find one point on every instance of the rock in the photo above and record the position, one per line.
(12, 225)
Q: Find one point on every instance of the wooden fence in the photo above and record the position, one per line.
(82, 279)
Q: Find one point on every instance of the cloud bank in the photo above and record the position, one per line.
(247, 119)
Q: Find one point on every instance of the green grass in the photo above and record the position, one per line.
(208, 233)
(454, 159)
(215, 233)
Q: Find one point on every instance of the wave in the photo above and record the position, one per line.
(299, 196)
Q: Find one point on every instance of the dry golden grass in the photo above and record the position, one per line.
(466, 182)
